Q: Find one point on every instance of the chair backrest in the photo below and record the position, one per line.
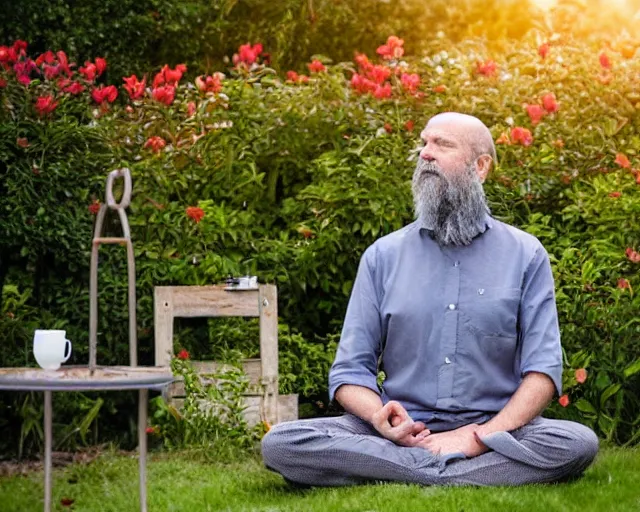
(216, 301)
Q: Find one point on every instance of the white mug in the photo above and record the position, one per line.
(51, 348)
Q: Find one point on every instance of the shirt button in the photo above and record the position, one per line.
(456, 264)
(447, 360)
(452, 307)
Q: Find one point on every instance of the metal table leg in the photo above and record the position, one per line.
(142, 446)
(47, 451)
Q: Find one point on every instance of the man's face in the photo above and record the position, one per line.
(445, 148)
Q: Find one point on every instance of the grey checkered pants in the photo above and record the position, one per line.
(347, 450)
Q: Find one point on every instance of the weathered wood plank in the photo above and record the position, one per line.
(269, 349)
(210, 301)
(163, 325)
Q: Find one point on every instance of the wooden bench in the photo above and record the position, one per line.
(262, 401)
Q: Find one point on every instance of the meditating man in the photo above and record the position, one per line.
(458, 310)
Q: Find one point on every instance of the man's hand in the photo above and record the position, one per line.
(461, 440)
(394, 423)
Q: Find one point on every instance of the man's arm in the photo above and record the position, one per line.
(530, 399)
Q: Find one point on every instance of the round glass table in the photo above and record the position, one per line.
(83, 378)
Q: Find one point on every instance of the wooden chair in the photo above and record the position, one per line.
(262, 400)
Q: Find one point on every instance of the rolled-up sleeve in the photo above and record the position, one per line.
(540, 333)
(360, 343)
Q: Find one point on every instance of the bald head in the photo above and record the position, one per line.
(468, 131)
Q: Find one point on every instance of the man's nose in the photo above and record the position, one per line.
(425, 154)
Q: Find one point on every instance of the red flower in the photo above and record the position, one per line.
(362, 60)
(151, 430)
(183, 354)
(169, 76)
(74, 88)
(605, 62)
(633, 256)
(22, 142)
(102, 94)
(292, 76)
(191, 108)
(440, 88)
(623, 161)
(155, 143)
(615, 194)
(196, 214)
(382, 91)
(388, 128)
(3, 83)
(89, 71)
(164, 94)
(247, 54)
(543, 51)
(47, 57)
(63, 63)
(521, 136)
(94, 207)
(549, 103)
(503, 139)
(45, 105)
(581, 375)
(23, 70)
(409, 125)
(564, 400)
(210, 83)
(486, 68)
(101, 65)
(536, 113)
(316, 66)
(135, 87)
(410, 81)
(623, 284)
(362, 84)
(393, 49)
(378, 74)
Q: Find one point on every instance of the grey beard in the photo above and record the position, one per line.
(452, 208)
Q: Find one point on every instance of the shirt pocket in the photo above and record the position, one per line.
(491, 312)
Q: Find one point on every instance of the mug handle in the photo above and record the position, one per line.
(68, 344)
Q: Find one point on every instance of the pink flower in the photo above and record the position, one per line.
(623, 284)
(155, 143)
(191, 108)
(168, 76)
(549, 103)
(101, 65)
(393, 49)
(210, 83)
(316, 66)
(605, 62)
(522, 136)
(410, 81)
(382, 91)
(615, 195)
(564, 400)
(486, 68)
(89, 71)
(247, 54)
(632, 255)
(164, 94)
(536, 113)
(581, 375)
(543, 51)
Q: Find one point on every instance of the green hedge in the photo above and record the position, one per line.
(292, 181)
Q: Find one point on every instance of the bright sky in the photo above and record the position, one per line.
(546, 4)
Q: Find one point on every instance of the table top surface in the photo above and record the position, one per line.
(81, 378)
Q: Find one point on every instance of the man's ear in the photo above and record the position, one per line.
(483, 166)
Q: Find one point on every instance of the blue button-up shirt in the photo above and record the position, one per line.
(454, 328)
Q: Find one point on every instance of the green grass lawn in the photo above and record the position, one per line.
(182, 482)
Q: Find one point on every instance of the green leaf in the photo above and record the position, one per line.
(585, 406)
(608, 393)
(632, 369)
